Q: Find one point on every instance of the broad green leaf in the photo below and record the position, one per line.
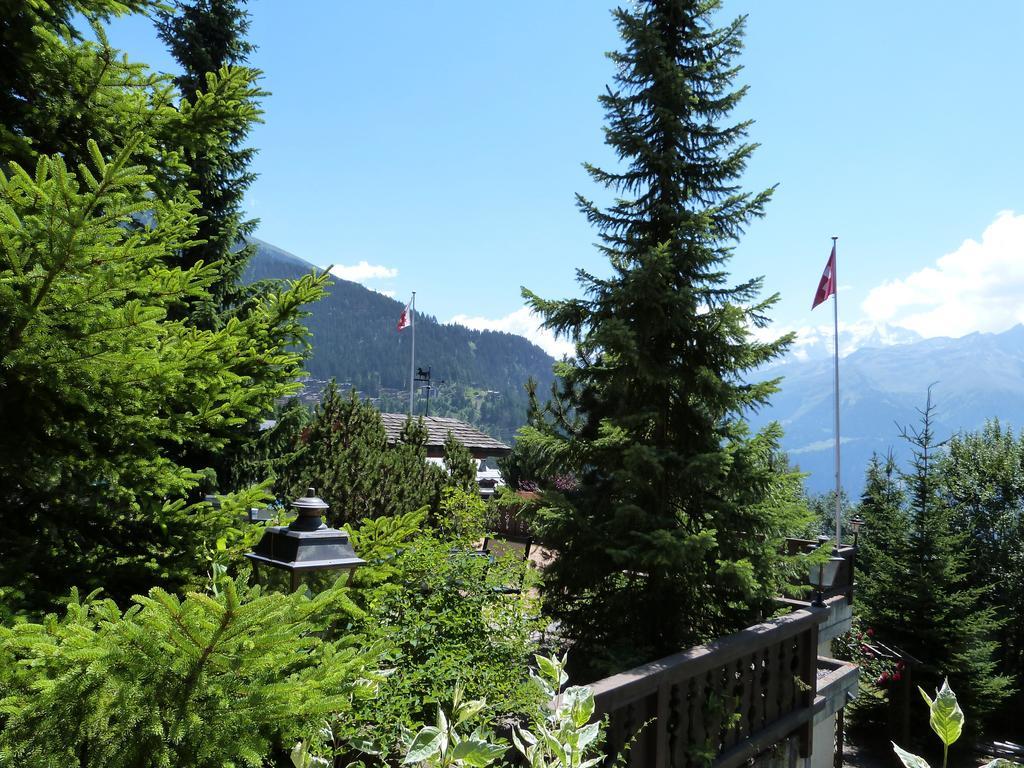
(426, 744)
(477, 752)
(471, 709)
(302, 759)
(947, 719)
(549, 670)
(588, 734)
(909, 759)
(554, 746)
(579, 700)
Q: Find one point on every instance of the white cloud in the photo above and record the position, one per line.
(362, 271)
(522, 322)
(977, 287)
(389, 294)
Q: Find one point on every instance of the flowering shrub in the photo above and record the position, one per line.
(878, 672)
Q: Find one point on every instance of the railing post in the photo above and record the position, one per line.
(809, 688)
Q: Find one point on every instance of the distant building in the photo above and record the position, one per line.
(480, 445)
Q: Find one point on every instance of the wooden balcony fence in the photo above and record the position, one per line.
(721, 704)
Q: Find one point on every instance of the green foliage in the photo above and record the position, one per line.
(983, 483)
(444, 745)
(460, 465)
(441, 611)
(98, 386)
(823, 509)
(58, 91)
(223, 679)
(947, 721)
(917, 593)
(344, 454)
(462, 517)
(871, 707)
(207, 38)
(672, 529)
(115, 406)
(562, 737)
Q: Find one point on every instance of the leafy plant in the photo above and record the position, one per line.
(947, 721)
(564, 738)
(444, 745)
(437, 609)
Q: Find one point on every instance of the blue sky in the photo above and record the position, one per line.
(437, 147)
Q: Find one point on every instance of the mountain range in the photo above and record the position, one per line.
(884, 380)
(882, 389)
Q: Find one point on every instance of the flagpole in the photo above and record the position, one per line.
(412, 358)
(835, 318)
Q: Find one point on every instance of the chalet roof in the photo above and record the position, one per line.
(479, 444)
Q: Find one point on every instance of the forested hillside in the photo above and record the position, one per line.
(355, 340)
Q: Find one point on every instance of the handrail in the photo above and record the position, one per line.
(644, 680)
(721, 703)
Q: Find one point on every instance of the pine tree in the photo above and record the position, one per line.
(669, 535)
(983, 482)
(98, 389)
(917, 593)
(883, 549)
(207, 38)
(344, 454)
(241, 677)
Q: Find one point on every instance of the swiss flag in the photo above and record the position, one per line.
(827, 286)
(405, 320)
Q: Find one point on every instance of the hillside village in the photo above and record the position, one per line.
(256, 514)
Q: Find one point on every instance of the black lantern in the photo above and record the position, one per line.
(857, 522)
(823, 575)
(307, 550)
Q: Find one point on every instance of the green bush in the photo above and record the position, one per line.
(440, 610)
(224, 679)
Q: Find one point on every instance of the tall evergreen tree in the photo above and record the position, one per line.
(883, 549)
(983, 482)
(207, 38)
(344, 454)
(671, 532)
(918, 595)
(111, 403)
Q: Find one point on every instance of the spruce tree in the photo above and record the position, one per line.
(669, 532)
(983, 482)
(113, 405)
(917, 592)
(883, 547)
(344, 454)
(207, 38)
(230, 678)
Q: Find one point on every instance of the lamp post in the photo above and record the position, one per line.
(823, 575)
(856, 523)
(305, 549)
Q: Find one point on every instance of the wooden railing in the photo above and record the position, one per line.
(720, 704)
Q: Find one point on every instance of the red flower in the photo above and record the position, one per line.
(896, 677)
(882, 678)
(900, 665)
(871, 632)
